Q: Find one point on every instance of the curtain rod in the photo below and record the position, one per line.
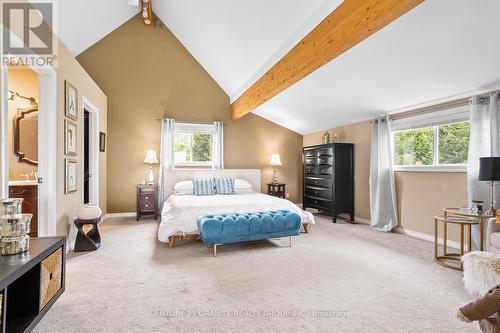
(192, 122)
(430, 109)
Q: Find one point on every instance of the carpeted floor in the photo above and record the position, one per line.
(337, 278)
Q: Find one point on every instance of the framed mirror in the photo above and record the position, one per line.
(25, 132)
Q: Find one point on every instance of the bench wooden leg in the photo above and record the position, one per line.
(306, 228)
(215, 250)
(290, 240)
(171, 241)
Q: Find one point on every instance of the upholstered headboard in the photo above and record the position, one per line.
(173, 176)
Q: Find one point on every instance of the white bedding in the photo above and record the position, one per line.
(180, 212)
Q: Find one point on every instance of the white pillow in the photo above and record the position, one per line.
(242, 184)
(185, 185)
(184, 192)
(243, 191)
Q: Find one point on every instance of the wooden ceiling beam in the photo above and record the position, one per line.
(349, 24)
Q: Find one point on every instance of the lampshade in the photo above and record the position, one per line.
(151, 157)
(489, 168)
(275, 160)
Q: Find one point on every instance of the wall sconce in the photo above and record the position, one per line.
(15, 96)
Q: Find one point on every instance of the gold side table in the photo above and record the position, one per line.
(446, 256)
(481, 217)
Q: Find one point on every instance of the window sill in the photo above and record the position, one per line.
(194, 165)
(430, 168)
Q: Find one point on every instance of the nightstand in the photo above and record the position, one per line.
(276, 189)
(147, 201)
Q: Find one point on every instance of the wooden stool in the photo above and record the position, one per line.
(462, 222)
(89, 241)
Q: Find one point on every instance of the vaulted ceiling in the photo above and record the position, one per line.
(440, 50)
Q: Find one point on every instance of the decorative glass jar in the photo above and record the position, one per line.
(326, 137)
(14, 245)
(14, 232)
(12, 206)
(15, 225)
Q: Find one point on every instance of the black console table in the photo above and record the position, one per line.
(30, 283)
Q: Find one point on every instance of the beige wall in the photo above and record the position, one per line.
(69, 69)
(420, 195)
(360, 135)
(147, 74)
(25, 82)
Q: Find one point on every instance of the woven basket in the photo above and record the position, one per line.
(50, 277)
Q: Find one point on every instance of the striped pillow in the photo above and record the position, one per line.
(203, 187)
(224, 185)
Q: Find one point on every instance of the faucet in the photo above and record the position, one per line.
(34, 174)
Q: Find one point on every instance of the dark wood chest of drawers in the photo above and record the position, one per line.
(328, 176)
(147, 203)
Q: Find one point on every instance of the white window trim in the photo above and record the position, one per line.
(189, 128)
(431, 168)
(434, 120)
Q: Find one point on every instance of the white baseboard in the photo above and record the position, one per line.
(362, 220)
(126, 214)
(429, 238)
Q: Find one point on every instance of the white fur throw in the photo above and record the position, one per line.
(481, 272)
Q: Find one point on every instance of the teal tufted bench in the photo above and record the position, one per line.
(235, 228)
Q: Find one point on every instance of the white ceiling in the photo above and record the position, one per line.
(82, 23)
(235, 39)
(441, 49)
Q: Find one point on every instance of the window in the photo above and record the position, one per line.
(439, 143)
(193, 144)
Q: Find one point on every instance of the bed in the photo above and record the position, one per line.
(180, 213)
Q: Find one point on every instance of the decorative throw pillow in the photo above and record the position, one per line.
(224, 186)
(203, 187)
(242, 184)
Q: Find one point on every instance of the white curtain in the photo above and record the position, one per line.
(167, 155)
(218, 146)
(383, 207)
(484, 142)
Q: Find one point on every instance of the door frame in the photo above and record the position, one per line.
(47, 144)
(93, 151)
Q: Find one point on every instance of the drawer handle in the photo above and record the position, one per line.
(147, 198)
(315, 182)
(147, 206)
(315, 192)
(315, 201)
(18, 193)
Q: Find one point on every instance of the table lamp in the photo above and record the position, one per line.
(151, 159)
(275, 162)
(489, 171)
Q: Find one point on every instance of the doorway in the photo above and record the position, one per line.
(45, 175)
(90, 165)
(86, 171)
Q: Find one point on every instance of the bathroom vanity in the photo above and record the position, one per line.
(28, 190)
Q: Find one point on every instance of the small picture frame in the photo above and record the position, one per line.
(70, 175)
(71, 101)
(70, 138)
(102, 142)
